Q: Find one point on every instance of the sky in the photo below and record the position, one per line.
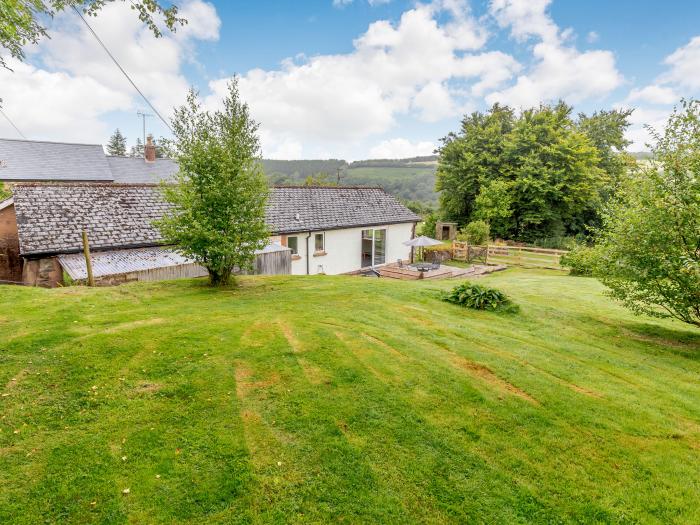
(355, 79)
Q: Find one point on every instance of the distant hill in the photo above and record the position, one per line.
(641, 155)
(411, 179)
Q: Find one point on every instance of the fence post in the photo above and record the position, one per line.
(88, 262)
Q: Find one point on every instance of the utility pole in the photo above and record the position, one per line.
(338, 175)
(143, 118)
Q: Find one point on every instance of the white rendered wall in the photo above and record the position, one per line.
(343, 249)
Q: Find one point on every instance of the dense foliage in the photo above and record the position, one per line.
(23, 22)
(580, 260)
(648, 250)
(5, 192)
(478, 297)
(218, 205)
(476, 232)
(538, 174)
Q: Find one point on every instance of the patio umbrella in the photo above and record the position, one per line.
(420, 242)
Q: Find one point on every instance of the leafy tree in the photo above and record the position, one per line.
(554, 171)
(319, 179)
(648, 249)
(218, 204)
(606, 129)
(22, 21)
(531, 176)
(494, 205)
(5, 192)
(165, 148)
(117, 144)
(470, 158)
(476, 232)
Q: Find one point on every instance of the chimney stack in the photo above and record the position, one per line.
(150, 149)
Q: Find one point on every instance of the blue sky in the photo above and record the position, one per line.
(358, 79)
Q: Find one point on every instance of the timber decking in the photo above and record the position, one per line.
(394, 271)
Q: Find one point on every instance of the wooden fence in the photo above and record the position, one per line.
(509, 255)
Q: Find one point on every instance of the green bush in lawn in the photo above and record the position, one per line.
(580, 260)
(476, 232)
(479, 297)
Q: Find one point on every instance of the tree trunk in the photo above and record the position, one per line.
(219, 277)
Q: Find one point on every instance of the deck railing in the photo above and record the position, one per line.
(509, 255)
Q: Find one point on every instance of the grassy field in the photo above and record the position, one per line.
(343, 399)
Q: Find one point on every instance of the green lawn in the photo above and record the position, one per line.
(344, 399)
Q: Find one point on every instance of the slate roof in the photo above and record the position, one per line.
(330, 208)
(28, 160)
(50, 217)
(35, 161)
(137, 170)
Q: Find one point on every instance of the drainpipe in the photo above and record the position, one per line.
(307, 252)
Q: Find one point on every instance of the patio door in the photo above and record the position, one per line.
(373, 247)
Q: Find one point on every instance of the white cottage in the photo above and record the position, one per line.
(60, 188)
(335, 230)
(330, 230)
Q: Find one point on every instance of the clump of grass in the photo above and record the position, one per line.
(478, 297)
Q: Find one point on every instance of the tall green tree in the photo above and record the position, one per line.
(648, 249)
(555, 174)
(470, 158)
(532, 175)
(217, 212)
(137, 150)
(22, 22)
(117, 144)
(606, 129)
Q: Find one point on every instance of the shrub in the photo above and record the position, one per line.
(428, 226)
(479, 297)
(580, 260)
(476, 232)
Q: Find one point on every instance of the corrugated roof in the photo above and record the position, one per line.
(117, 262)
(51, 217)
(29, 160)
(137, 170)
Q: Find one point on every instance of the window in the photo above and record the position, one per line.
(373, 247)
(293, 244)
(319, 242)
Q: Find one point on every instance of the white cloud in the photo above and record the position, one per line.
(400, 148)
(653, 94)
(684, 64)
(525, 18)
(434, 102)
(73, 83)
(56, 105)
(559, 70)
(592, 37)
(427, 65)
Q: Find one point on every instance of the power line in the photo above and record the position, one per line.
(121, 68)
(12, 124)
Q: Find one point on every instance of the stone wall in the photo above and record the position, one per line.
(46, 272)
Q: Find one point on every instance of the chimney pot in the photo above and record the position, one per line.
(150, 149)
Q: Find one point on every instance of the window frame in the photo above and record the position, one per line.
(295, 249)
(322, 236)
